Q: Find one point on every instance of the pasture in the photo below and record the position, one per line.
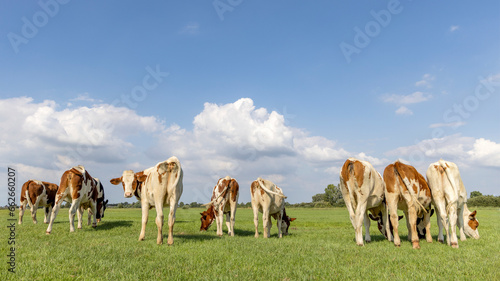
(321, 247)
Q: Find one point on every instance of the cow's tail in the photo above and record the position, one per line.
(406, 182)
(442, 163)
(26, 187)
(352, 178)
(268, 190)
(217, 198)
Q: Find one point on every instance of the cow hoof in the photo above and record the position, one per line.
(361, 245)
(441, 241)
(47, 232)
(416, 245)
(454, 245)
(94, 225)
(397, 245)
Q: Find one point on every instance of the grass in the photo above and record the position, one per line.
(321, 246)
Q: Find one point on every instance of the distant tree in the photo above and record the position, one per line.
(181, 204)
(475, 194)
(320, 197)
(195, 205)
(120, 205)
(333, 195)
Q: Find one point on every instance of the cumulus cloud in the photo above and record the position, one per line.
(403, 110)
(190, 28)
(465, 151)
(454, 28)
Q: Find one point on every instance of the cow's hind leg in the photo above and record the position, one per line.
(256, 220)
(171, 222)
(22, 208)
(72, 210)
(368, 239)
(79, 214)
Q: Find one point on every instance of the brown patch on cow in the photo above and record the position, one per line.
(423, 185)
(473, 223)
(76, 182)
(34, 190)
(389, 179)
(355, 168)
(234, 188)
(252, 187)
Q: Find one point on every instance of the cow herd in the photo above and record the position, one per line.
(363, 188)
(403, 188)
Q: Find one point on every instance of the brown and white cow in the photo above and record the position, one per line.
(224, 201)
(157, 187)
(407, 190)
(363, 190)
(37, 194)
(79, 188)
(100, 206)
(450, 200)
(268, 199)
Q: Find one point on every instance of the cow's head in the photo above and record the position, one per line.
(207, 218)
(421, 226)
(101, 203)
(380, 223)
(285, 223)
(471, 224)
(131, 182)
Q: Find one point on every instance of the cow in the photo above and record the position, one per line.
(363, 190)
(407, 190)
(100, 207)
(268, 199)
(36, 194)
(450, 200)
(224, 201)
(157, 187)
(82, 190)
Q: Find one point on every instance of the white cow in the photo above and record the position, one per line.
(363, 190)
(157, 187)
(450, 200)
(268, 199)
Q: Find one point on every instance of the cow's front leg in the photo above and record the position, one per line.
(48, 210)
(279, 216)
(93, 210)
(34, 208)
(72, 210)
(145, 213)
(220, 221)
(228, 224)
(55, 210)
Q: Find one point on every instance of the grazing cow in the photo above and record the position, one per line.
(79, 188)
(100, 207)
(268, 199)
(37, 194)
(157, 187)
(450, 200)
(407, 190)
(224, 201)
(363, 190)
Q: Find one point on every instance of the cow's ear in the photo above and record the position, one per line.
(432, 213)
(400, 217)
(292, 219)
(472, 215)
(116, 181)
(142, 178)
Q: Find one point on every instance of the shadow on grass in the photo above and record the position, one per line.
(105, 225)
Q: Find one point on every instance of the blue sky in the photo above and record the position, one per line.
(285, 90)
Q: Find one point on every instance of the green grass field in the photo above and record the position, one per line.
(321, 246)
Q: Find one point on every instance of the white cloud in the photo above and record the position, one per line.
(465, 151)
(452, 124)
(191, 28)
(454, 28)
(416, 97)
(403, 110)
(85, 97)
(426, 81)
